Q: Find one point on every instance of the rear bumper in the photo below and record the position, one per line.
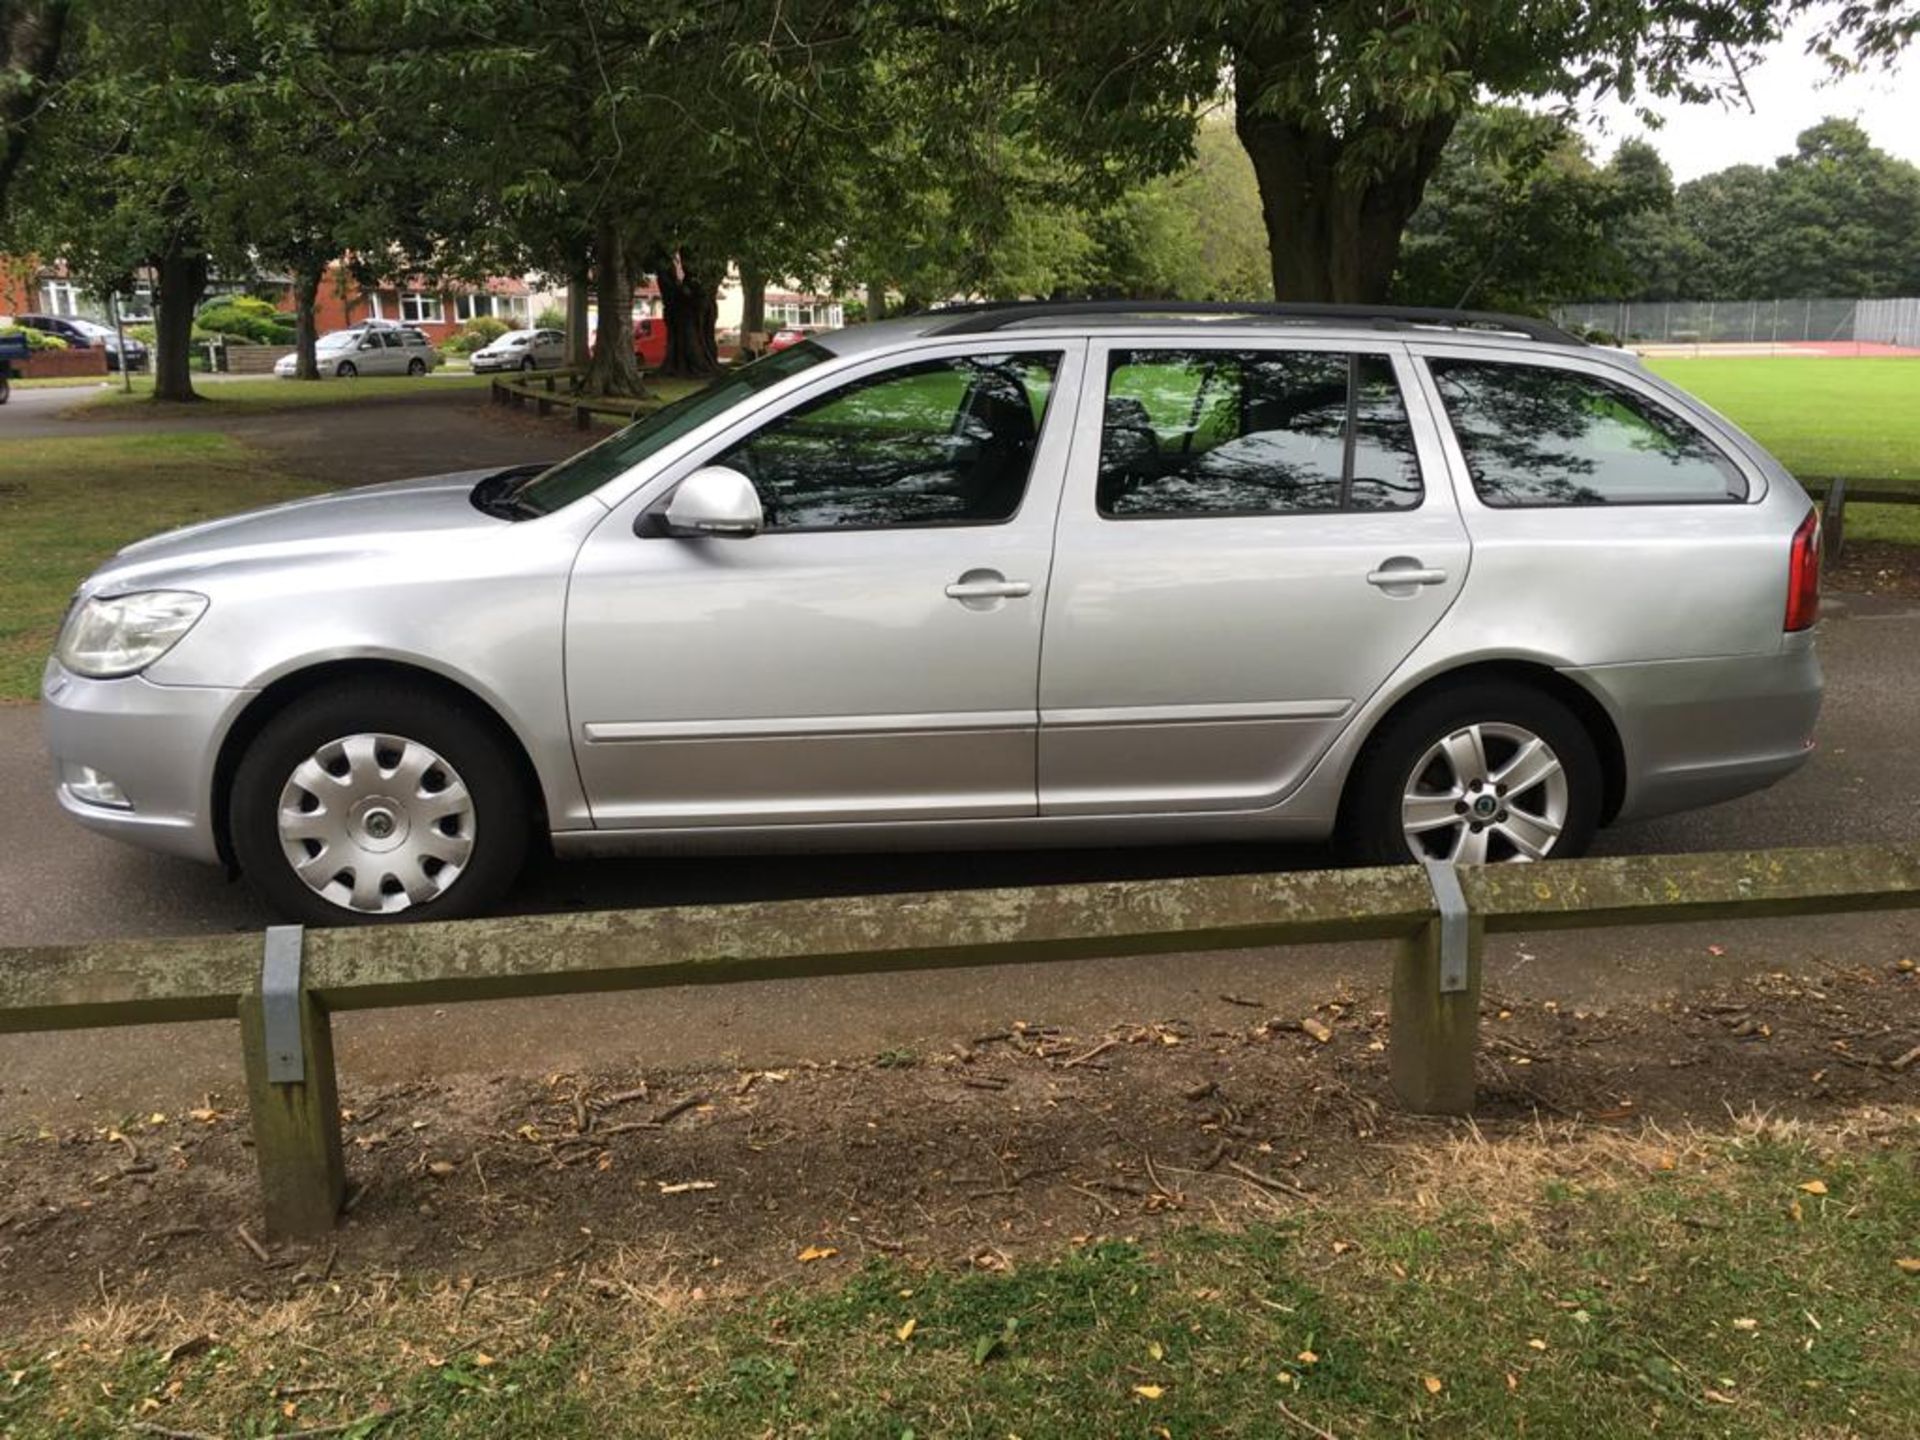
(157, 743)
(1696, 732)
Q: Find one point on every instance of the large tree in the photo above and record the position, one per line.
(1346, 108)
(33, 35)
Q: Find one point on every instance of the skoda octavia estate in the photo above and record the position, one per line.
(1439, 585)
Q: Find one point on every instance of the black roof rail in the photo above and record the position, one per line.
(984, 317)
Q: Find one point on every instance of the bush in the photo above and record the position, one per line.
(36, 340)
(482, 330)
(247, 319)
(551, 318)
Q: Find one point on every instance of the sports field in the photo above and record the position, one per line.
(1858, 418)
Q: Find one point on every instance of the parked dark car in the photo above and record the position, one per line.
(87, 335)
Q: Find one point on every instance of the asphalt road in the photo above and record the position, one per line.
(61, 884)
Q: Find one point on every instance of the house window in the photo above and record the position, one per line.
(136, 308)
(58, 297)
(510, 308)
(418, 308)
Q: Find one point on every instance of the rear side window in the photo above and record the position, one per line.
(1536, 436)
(1197, 433)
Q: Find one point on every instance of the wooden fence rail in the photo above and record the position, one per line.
(285, 1013)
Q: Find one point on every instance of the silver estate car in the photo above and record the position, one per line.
(1438, 585)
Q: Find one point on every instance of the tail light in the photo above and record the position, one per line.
(1803, 575)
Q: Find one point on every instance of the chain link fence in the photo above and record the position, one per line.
(1750, 322)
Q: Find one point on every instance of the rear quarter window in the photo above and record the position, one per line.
(1533, 435)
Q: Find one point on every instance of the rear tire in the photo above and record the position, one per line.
(370, 803)
(416, 366)
(1479, 773)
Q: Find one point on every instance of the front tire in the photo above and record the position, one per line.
(369, 803)
(527, 364)
(1479, 773)
(347, 370)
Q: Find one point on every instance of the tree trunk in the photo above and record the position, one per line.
(613, 370)
(692, 306)
(306, 290)
(579, 286)
(1333, 229)
(876, 300)
(753, 304)
(182, 281)
(32, 37)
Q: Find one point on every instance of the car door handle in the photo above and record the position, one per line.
(989, 589)
(1386, 578)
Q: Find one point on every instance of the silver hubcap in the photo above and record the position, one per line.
(376, 823)
(1486, 793)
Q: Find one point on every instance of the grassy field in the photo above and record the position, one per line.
(65, 505)
(1858, 418)
(1759, 1282)
(222, 397)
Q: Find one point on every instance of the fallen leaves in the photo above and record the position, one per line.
(1746, 1323)
(1908, 1265)
(1433, 1384)
(904, 1332)
(1814, 1187)
(816, 1252)
(1317, 1029)
(1149, 1392)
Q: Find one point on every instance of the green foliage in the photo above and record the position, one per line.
(253, 320)
(1837, 217)
(551, 318)
(1517, 216)
(36, 339)
(477, 332)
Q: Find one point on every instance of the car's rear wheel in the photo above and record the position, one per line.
(416, 366)
(373, 803)
(1477, 774)
(347, 370)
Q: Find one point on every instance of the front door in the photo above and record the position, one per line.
(1246, 551)
(873, 653)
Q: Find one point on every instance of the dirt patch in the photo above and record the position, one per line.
(1005, 1145)
(1877, 567)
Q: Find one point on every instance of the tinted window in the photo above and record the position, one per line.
(1254, 432)
(944, 442)
(1536, 436)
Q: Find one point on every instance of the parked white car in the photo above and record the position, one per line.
(369, 350)
(523, 350)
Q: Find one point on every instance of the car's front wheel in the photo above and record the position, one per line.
(528, 363)
(1477, 774)
(347, 370)
(369, 803)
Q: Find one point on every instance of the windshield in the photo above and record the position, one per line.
(338, 340)
(590, 469)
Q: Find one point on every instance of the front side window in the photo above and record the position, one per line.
(942, 442)
(1195, 433)
(1534, 436)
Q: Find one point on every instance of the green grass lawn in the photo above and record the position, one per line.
(268, 392)
(1857, 418)
(67, 504)
(1744, 1284)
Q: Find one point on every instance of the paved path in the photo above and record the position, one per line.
(59, 883)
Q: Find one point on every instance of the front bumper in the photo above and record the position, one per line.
(157, 743)
(491, 363)
(1696, 732)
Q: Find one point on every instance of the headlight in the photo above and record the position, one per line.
(123, 635)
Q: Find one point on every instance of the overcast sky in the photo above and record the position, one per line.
(1790, 92)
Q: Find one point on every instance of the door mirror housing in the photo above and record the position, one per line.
(714, 500)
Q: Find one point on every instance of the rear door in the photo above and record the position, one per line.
(1253, 536)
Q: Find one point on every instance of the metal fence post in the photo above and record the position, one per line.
(1435, 1013)
(286, 1037)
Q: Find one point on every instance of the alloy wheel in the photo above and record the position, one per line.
(1487, 792)
(376, 823)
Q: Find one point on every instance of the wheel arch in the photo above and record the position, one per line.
(1587, 708)
(290, 688)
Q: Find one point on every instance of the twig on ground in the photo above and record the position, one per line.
(1273, 1182)
(1094, 1053)
(678, 1108)
(1100, 1200)
(259, 1250)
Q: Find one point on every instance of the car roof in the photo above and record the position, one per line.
(1034, 319)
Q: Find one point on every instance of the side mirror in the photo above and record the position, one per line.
(714, 501)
